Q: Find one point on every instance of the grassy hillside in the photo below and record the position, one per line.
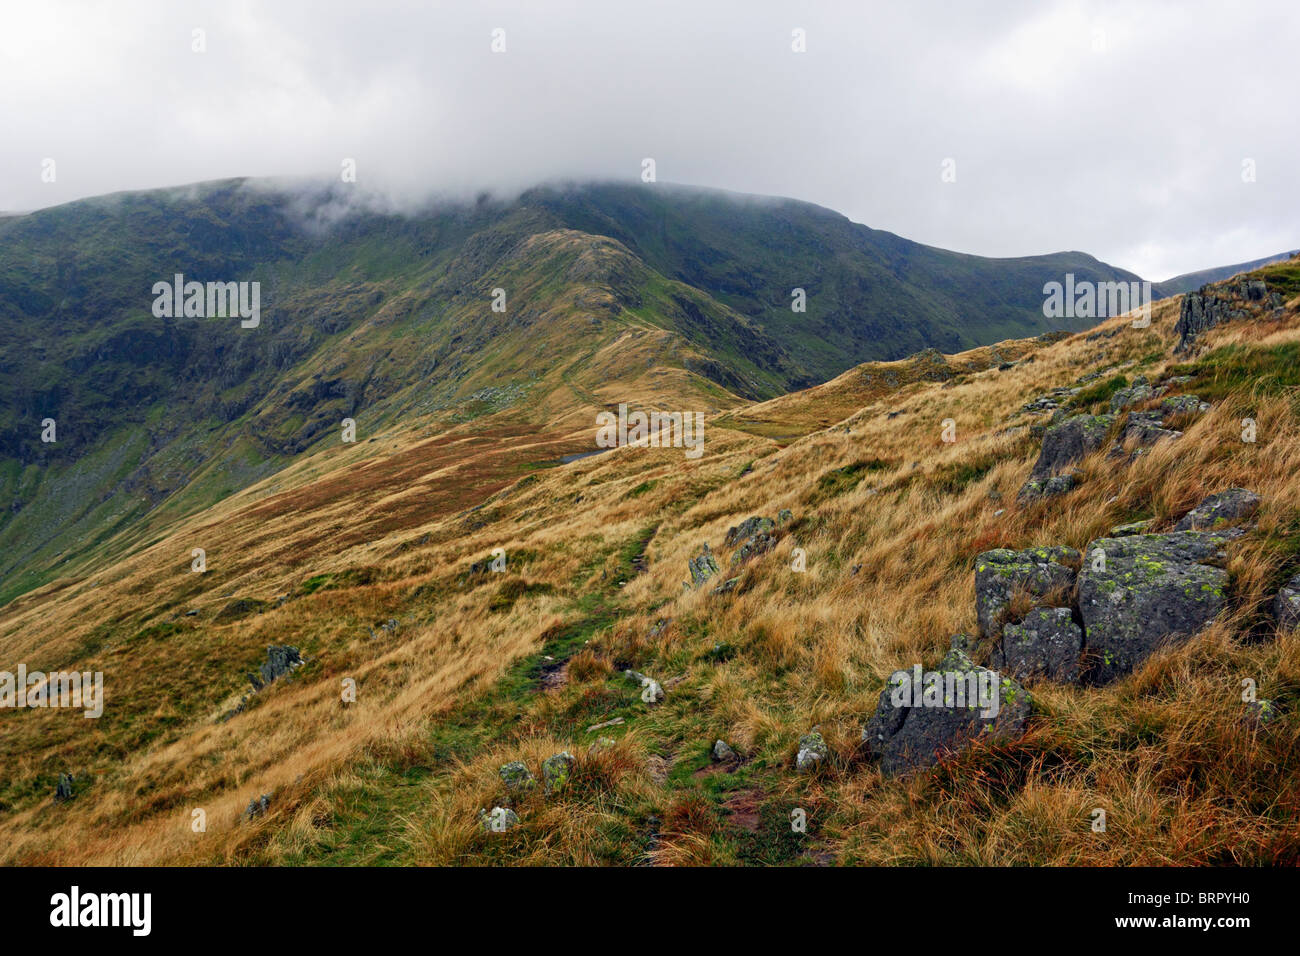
(369, 559)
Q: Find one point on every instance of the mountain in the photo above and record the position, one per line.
(405, 669)
(673, 296)
(1190, 281)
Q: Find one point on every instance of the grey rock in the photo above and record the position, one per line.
(1071, 441)
(748, 528)
(1150, 590)
(257, 807)
(703, 567)
(1034, 572)
(1286, 606)
(1036, 489)
(280, 660)
(723, 753)
(812, 751)
(1219, 510)
(784, 516)
(64, 789)
(516, 776)
(1047, 644)
(906, 738)
(1135, 394)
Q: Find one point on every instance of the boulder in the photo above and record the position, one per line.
(556, 770)
(723, 753)
(1286, 606)
(1003, 573)
(812, 751)
(1047, 644)
(906, 738)
(1071, 441)
(1038, 488)
(1218, 510)
(257, 807)
(516, 776)
(1140, 592)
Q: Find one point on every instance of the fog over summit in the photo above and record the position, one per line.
(1025, 129)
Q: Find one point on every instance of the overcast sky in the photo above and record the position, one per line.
(1120, 129)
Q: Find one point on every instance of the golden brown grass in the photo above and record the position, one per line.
(889, 579)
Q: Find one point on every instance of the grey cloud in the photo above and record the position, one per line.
(1130, 148)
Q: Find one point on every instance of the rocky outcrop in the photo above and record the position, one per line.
(1208, 308)
(1038, 488)
(751, 537)
(1140, 592)
(908, 735)
(280, 660)
(1047, 645)
(1220, 510)
(1035, 574)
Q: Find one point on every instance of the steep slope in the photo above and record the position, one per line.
(372, 560)
(377, 318)
(870, 294)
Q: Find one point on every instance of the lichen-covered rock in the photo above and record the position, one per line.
(723, 753)
(1036, 573)
(1175, 405)
(1286, 606)
(556, 770)
(748, 528)
(812, 751)
(1037, 488)
(703, 567)
(752, 547)
(1220, 510)
(727, 586)
(1140, 592)
(784, 516)
(1259, 712)
(516, 776)
(1139, 391)
(1047, 644)
(1071, 441)
(1142, 430)
(499, 820)
(905, 737)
